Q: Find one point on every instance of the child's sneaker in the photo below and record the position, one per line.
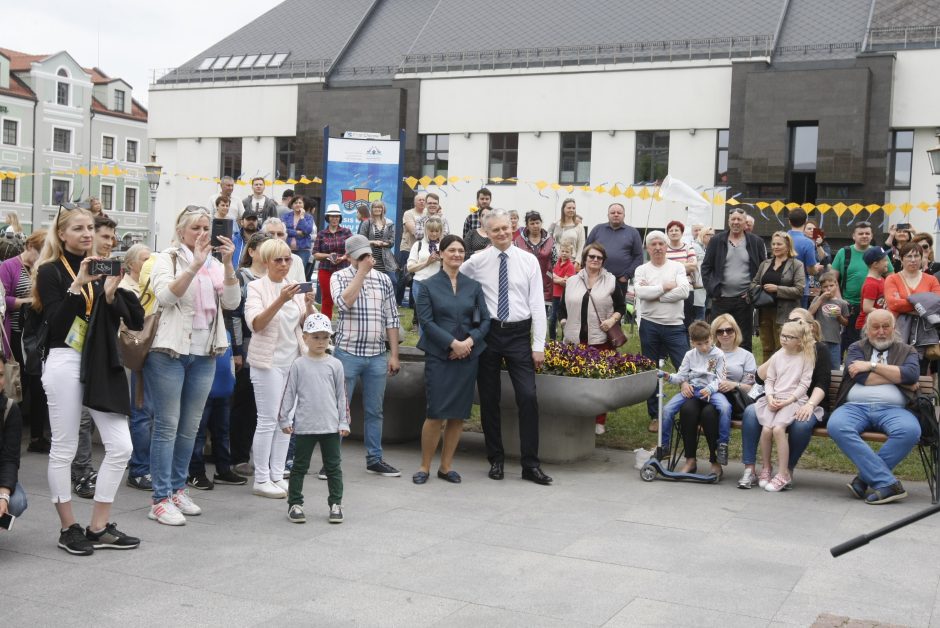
(296, 514)
(336, 513)
(777, 484)
(722, 454)
(764, 478)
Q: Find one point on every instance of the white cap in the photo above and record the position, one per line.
(317, 322)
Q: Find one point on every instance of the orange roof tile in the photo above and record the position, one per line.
(137, 111)
(20, 61)
(18, 89)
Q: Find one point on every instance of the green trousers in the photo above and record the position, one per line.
(304, 445)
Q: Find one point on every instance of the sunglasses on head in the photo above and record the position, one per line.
(863, 225)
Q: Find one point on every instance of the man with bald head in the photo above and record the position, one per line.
(879, 381)
(622, 243)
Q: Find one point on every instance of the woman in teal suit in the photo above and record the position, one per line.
(453, 315)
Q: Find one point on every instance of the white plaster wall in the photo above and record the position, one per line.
(184, 157)
(258, 158)
(915, 89)
(923, 185)
(247, 111)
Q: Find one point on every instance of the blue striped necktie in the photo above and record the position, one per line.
(502, 304)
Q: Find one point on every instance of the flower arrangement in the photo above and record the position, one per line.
(572, 360)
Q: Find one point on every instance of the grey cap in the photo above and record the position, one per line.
(357, 245)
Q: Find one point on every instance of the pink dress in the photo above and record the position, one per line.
(787, 375)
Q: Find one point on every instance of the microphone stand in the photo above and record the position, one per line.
(864, 539)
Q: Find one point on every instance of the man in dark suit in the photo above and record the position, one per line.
(262, 205)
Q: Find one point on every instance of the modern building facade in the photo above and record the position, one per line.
(69, 129)
(764, 100)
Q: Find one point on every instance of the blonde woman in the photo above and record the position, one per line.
(569, 227)
(782, 276)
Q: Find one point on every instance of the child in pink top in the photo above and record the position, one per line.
(563, 269)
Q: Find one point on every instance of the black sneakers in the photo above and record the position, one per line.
(229, 477)
(141, 483)
(73, 541)
(199, 482)
(383, 468)
(110, 538)
(85, 486)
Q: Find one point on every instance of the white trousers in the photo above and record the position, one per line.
(269, 448)
(64, 391)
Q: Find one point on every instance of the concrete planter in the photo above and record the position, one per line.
(405, 401)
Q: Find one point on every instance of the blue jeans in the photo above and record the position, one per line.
(215, 417)
(179, 389)
(799, 434)
(835, 354)
(141, 426)
(718, 400)
(373, 371)
(849, 420)
(660, 342)
(553, 319)
(304, 255)
(17, 505)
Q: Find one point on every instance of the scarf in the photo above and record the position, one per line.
(205, 286)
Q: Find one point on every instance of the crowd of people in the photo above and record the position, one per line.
(245, 351)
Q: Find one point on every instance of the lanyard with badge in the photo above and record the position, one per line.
(76, 336)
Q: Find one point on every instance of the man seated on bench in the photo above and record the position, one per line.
(879, 381)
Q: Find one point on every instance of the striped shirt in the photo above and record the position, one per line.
(361, 328)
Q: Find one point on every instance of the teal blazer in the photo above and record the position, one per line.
(445, 316)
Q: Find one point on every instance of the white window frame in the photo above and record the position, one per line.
(113, 145)
(52, 181)
(19, 130)
(71, 131)
(101, 195)
(127, 140)
(16, 190)
(136, 189)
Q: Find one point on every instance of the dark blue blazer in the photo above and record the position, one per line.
(443, 315)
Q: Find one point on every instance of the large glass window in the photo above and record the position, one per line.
(804, 139)
(434, 155)
(61, 190)
(231, 157)
(130, 199)
(575, 159)
(107, 197)
(504, 155)
(62, 140)
(8, 190)
(289, 161)
(10, 128)
(652, 156)
(721, 161)
(900, 156)
(131, 155)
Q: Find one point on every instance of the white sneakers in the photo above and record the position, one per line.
(283, 485)
(185, 504)
(599, 428)
(269, 489)
(167, 513)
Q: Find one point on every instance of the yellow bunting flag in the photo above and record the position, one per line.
(718, 200)
(569, 189)
(440, 180)
(474, 209)
(496, 179)
(615, 191)
(792, 205)
(451, 180)
(839, 209)
(629, 192)
(777, 206)
(906, 208)
(278, 182)
(872, 208)
(317, 180)
(823, 207)
(807, 207)
(855, 208)
(425, 180)
(292, 181)
(733, 202)
(923, 206)
(644, 193)
(556, 186)
(762, 205)
(540, 185)
(600, 189)
(411, 182)
(889, 208)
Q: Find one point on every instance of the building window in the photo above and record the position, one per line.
(289, 162)
(900, 156)
(10, 128)
(8, 190)
(131, 152)
(61, 191)
(721, 160)
(107, 197)
(62, 140)
(62, 89)
(575, 159)
(231, 157)
(434, 155)
(652, 156)
(118, 100)
(804, 139)
(107, 147)
(504, 155)
(130, 199)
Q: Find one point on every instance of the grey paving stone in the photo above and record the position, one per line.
(475, 615)
(645, 612)
(803, 609)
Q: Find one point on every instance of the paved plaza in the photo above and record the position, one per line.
(600, 547)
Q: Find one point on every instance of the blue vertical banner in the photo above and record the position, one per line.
(359, 172)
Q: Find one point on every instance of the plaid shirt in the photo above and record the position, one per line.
(361, 328)
(328, 242)
(472, 222)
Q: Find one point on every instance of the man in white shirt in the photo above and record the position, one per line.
(265, 207)
(276, 227)
(661, 286)
(226, 187)
(512, 285)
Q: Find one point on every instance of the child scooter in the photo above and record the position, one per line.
(654, 466)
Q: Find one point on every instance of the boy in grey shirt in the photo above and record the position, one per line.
(314, 408)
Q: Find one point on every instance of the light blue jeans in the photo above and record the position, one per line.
(718, 400)
(835, 354)
(179, 388)
(17, 505)
(373, 370)
(141, 424)
(798, 435)
(849, 420)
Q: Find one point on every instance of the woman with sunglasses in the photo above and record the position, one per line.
(275, 310)
(191, 288)
(925, 242)
(782, 276)
(911, 279)
(801, 430)
(589, 306)
(82, 309)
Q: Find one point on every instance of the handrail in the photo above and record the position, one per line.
(902, 37)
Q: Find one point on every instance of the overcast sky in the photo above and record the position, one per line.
(126, 40)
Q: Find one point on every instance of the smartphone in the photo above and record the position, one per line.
(110, 267)
(306, 286)
(6, 521)
(904, 225)
(221, 227)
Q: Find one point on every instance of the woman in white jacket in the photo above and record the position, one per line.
(275, 310)
(192, 288)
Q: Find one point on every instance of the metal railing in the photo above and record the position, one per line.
(315, 69)
(902, 37)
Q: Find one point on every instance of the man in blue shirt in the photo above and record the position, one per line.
(805, 249)
(622, 243)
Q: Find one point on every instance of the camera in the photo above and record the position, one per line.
(111, 267)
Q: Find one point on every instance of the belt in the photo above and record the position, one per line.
(496, 323)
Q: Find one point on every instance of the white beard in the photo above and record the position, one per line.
(881, 345)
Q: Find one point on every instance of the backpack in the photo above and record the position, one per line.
(844, 274)
(922, 407)
(35, 339)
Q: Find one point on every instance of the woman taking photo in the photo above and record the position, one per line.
(16, 277)
(925, 241)
(82, 311)
(424, 261)
(589, 306)
(330, 250)
(191, 289)
(911, 279)
(275, 310)
(454, 320)
(569, 227)
(381, 235)
(477, 240)
(299, 224)
(782, 277)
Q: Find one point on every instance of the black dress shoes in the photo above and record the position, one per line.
(496, 471)
(536, 475)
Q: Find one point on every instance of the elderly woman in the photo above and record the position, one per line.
(536, 241)
(911, 279)
(275, 310)
(381, 235)
(781, 276)
(454, 320)
(590, 305)
(697, 413)
(133, 261)
(801, 430)
(299, 224)
(192, 288)
(569, 227)
(330, 250)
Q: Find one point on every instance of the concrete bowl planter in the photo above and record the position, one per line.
(405, 401)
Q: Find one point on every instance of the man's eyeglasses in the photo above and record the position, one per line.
(598, 257)
(725, 331)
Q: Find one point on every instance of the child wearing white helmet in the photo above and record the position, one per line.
(314, 409)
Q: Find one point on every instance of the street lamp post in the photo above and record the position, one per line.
(153, 180)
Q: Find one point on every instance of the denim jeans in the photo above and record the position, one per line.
(659, 342)
(215, 417)
(835, 354)
(373, 371)
(553, 319)
(141, 424)
(17, 505)
(718, 400)
(849, 420)
(179, 389)
(402, 258)
(799, 434)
